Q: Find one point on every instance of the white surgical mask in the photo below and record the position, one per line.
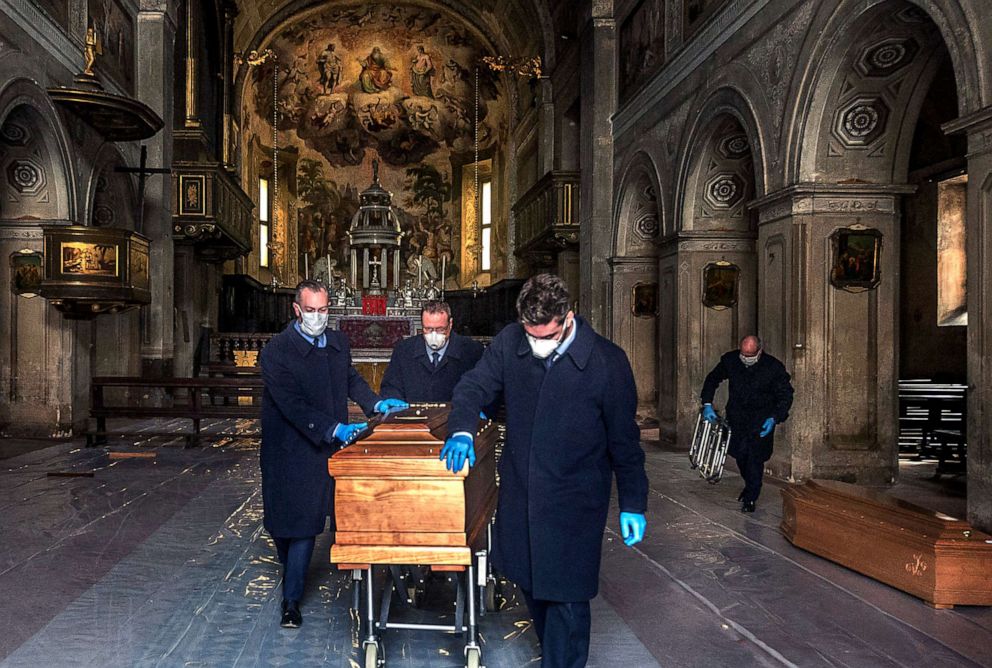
(542, 348)
(435, 340)
(750, 361)
(313, 324)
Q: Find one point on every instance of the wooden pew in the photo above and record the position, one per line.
(930, 555)
(188, 398)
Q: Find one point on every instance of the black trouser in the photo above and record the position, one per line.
(563, 629)
(752, 468)
(294, 555)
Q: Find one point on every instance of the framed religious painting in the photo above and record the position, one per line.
(856, 260)
(644, 300)
(720, 285)
(26, 272)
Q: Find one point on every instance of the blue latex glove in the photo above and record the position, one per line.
(767, 427)
(632, 527)
(457, 449)
(347, 432)
(482, 416)
(708, 413)
(387, 405)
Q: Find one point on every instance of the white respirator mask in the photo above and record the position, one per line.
(542, 348)
(750, 361)
(313, 324)
(435, 340)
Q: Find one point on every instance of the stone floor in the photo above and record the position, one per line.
(163, 562)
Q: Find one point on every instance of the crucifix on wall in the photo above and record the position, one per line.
(143, 171)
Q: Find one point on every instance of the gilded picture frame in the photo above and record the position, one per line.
(644, 300)
(27, 270)
(721, 282)
(83, 258)
(856, 259)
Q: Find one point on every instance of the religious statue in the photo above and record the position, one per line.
(407, 293)
(342, 296)
(376, 75)
(329, 64)
(431, 292)
(93, 48)
(421, 71)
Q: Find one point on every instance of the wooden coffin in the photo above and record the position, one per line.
(395, 502)
(922, 552)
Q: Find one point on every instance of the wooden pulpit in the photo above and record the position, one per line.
(395, 502)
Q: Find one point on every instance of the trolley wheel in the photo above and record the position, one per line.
(473, 657)
(372, 659)
(491, 596)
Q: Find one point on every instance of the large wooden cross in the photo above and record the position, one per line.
(143, 171)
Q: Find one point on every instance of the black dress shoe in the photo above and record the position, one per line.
(291, 617)
(747, 507)
(740, 497)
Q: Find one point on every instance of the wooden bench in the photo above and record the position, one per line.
(936, 411)
(930, 555)
(189, 398)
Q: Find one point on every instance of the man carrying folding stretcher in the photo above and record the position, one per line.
(760, 397)
(570, 426)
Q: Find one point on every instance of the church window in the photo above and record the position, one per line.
(264, 209)
(487, 225)
(952, 277)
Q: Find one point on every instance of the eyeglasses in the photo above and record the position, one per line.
(437, 330)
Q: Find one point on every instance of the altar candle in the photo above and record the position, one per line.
(444, 262)
(306, 265)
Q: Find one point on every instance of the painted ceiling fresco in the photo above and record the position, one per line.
(393, 83)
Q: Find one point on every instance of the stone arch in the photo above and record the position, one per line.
(635, 303)
(867, 76)
(716, 168)
(111, 196)
(37, 173)
(638, 213)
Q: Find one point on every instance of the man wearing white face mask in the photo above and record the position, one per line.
(308, 380)
(570, 428)
(760, 397)
(425, 369)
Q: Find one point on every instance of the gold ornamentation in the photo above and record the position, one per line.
(524, 67)
(245, 358)
(93, 48)
(916, 567)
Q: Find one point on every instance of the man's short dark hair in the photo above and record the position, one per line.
(542, 299)
(312, 286)
(436, 306)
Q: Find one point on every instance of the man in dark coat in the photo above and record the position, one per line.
(760, 397)
(425, 369)
(570, 423)
(308, 380)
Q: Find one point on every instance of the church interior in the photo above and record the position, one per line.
(814, 172)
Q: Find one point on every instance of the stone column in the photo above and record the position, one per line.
(978, 126)
(691, 335)
(841, 347)
(154, 86)
(598, 103)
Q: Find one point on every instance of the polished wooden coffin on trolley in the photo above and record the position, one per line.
(395, 502)
(924, 553)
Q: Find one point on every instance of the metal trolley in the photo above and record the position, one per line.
(475, 591)
(708, 452)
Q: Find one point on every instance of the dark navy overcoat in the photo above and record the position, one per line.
(411, 375)
(569, 430)
(306, 393)
(756, 393)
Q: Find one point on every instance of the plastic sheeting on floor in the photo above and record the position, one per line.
(163, 562)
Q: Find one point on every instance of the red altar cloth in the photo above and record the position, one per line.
(373, 304)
